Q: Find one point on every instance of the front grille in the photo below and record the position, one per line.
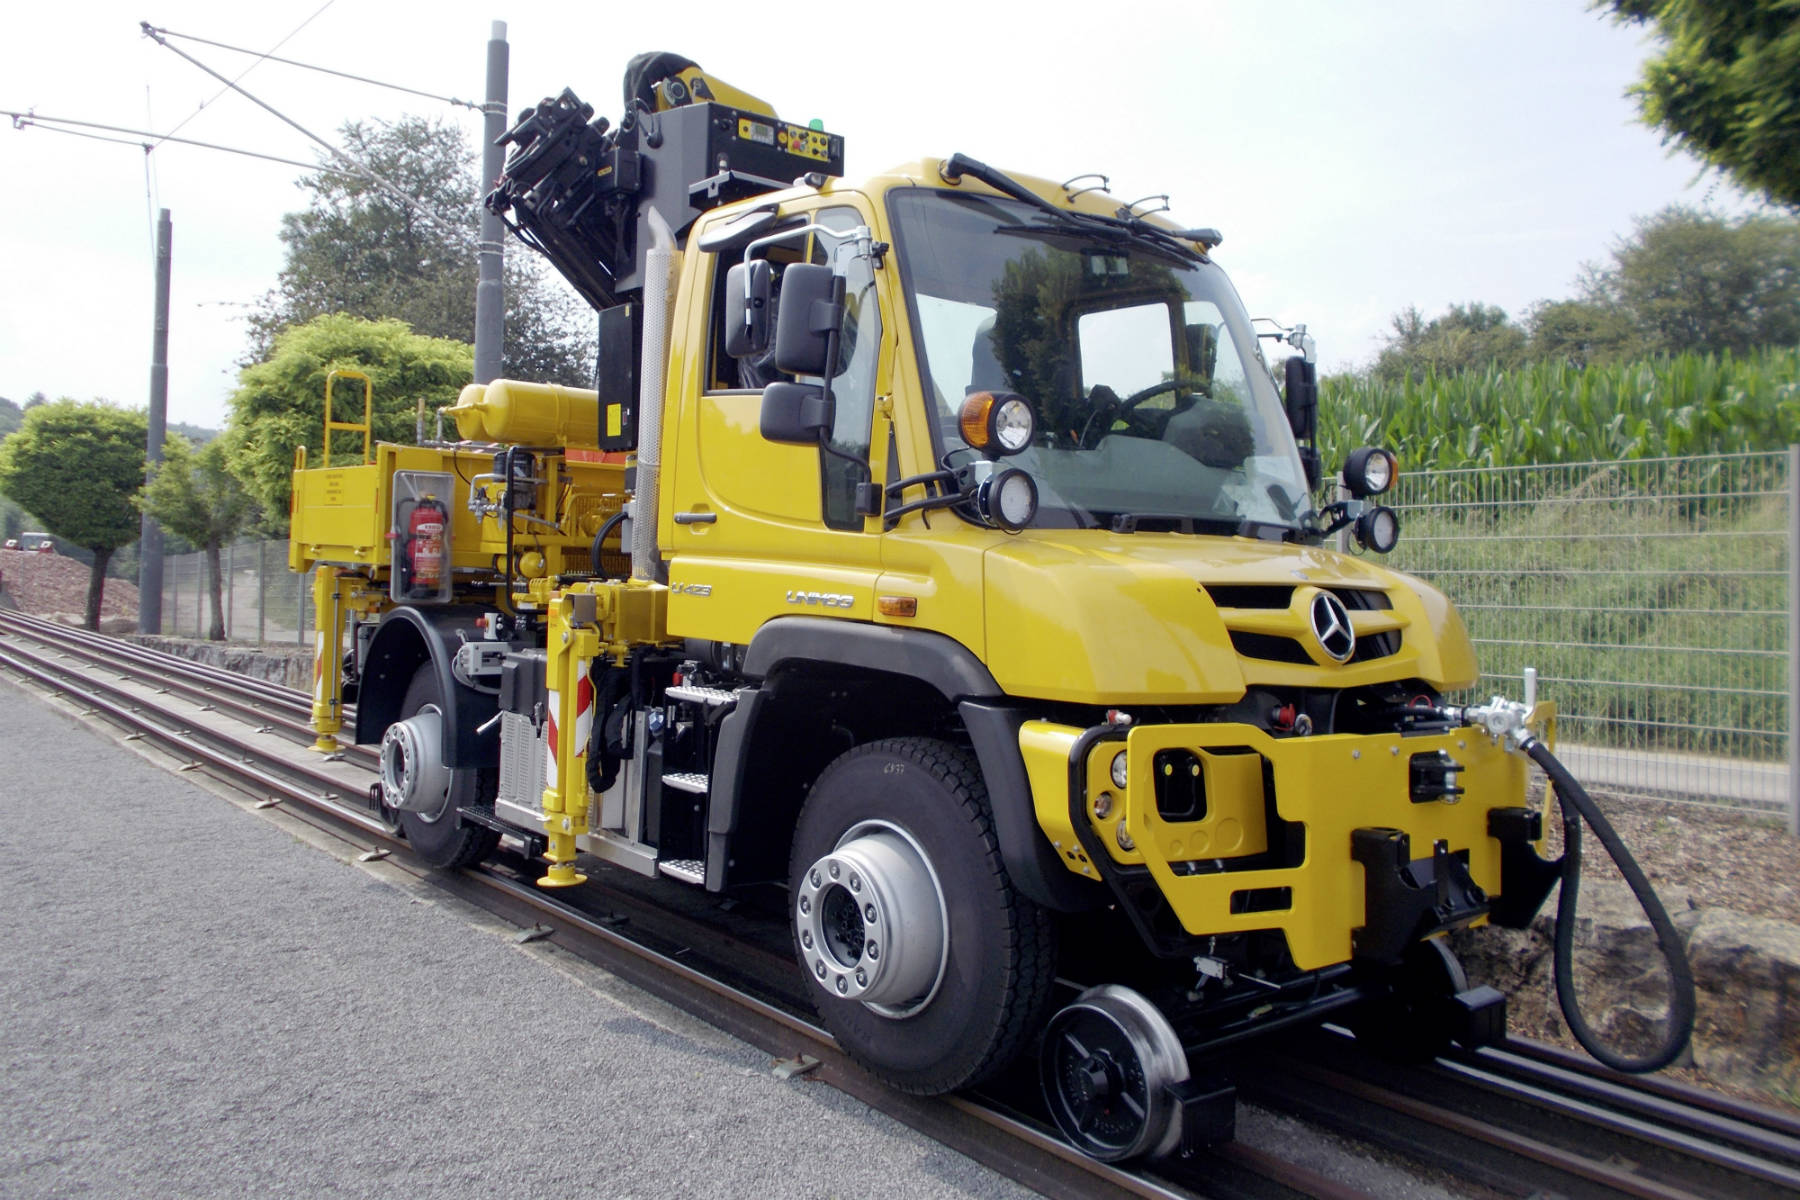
(1269, 648)
(1266, 596)
(1365, 599)
(1251, 595)
(1371, 646)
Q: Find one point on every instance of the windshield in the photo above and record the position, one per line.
(1151, 397)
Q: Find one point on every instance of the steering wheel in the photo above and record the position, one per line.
(1105, 412)
(1156, 389)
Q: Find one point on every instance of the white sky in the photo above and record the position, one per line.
(1358, 157)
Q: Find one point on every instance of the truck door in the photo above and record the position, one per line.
(759, 529)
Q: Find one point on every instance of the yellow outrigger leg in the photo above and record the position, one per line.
(572, 644)
(328, 658)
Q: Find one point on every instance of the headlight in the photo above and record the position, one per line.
(1008, 499)
(1378, 529)
(1370, 471)
(1120, 774)
(997, 423)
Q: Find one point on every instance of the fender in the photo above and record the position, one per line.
(407, 637)
(953, 670)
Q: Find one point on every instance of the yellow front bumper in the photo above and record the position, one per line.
(1236, 861)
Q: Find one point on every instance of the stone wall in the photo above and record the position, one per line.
(290, 666)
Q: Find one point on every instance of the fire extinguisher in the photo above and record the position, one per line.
(423, 559)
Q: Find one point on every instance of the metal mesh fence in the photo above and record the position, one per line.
(1652, 597)
(263, 600)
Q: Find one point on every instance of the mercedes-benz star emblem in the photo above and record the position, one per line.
(1331, 625)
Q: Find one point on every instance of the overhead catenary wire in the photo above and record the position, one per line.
(24, 120)
(357, 169)
(269, 57)
(288, 37)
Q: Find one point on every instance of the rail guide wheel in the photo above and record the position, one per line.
(1116, 1077)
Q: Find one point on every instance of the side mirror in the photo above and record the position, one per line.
(812, 310)
(796, 412)
(749, 287)
(1302, 398)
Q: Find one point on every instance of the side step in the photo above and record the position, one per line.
(695, 694)
(688, 781)
(688, 870)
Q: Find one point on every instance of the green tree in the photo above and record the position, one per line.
(1581, 332)
(1465, 337)
(193, 494)
(357, 248)
(11, 415)
(280, 403)
(1690, 280)
(1726, 86)
(76, 467)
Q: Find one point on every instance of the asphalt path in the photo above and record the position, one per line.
(196, 1002)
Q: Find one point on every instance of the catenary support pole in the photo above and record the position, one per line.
(490, 293)
(150, 538)
(1793, 642)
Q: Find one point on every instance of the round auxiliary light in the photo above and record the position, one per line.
(1008, 499)
(1378, 529)
(997, 423)
(1120, 774)
(1370, 471)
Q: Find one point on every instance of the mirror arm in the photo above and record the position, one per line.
(893, 515)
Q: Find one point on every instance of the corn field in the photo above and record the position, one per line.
(1556, 413)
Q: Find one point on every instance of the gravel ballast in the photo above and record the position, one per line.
(193, 1002)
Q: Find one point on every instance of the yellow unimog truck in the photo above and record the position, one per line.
(936, 554)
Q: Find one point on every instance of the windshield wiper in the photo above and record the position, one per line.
(1175, 523)
(1134, 228)
(1246, 527)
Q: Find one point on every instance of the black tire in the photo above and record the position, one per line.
(993, 991)
(443, 840)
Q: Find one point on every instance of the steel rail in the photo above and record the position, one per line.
(1520, 1050)
(194, 745)
(1670, 1113)
(1676, 1118)
(1594, 1135)
(211, 693)
(114, 647)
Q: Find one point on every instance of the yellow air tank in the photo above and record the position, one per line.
(527, 414)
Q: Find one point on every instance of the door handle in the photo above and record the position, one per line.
(696, 518)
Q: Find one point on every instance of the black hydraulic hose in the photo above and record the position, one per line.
(1578, 806)
(599, 544)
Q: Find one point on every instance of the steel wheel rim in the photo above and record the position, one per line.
(408, 762)
(872, 922)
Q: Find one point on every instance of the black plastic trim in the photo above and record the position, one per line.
(943, 662)
(1031, 862)
(1526, 877)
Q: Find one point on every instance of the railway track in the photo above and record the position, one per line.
(1522, 1120)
